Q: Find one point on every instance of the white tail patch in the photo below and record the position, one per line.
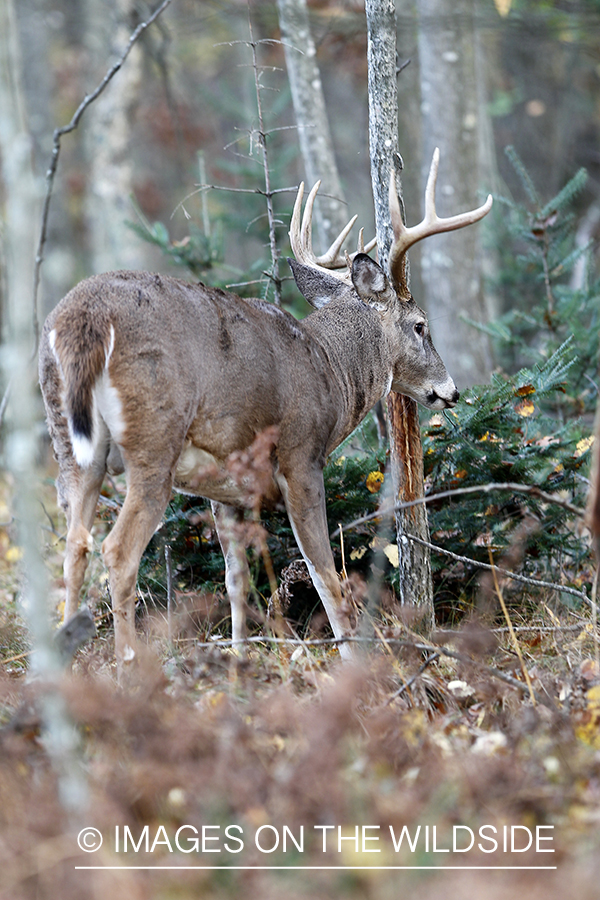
(83, 449)
(106, 405)
(52, 342)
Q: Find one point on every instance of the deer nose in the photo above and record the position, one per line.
(452, 401)
(433, 397)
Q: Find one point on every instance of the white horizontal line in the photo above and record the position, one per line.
(321, 868)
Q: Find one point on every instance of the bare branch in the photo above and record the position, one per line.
(262, 138)
(535, 582)
(423, 647)
(510, 486)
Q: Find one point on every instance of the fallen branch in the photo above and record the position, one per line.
(429, 648)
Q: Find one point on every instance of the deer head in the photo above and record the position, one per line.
(418, 369)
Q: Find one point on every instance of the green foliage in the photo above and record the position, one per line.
(533, 427)
(547, 299)
(499, 433)
(197, 252)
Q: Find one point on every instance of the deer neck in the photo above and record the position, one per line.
(352, 338)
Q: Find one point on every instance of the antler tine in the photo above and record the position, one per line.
(300, 236)
(370, 246)
(333, 258)
(295, 226)
(432, 223)
(307, 221)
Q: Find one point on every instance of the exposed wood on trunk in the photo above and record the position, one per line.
(405, 439)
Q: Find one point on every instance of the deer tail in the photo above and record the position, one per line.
(82, 348)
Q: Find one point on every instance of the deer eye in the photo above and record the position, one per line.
(419, 328)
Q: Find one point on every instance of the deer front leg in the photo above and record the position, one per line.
(304, 497)
(237, 573)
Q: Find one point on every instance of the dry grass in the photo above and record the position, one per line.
(294, 739)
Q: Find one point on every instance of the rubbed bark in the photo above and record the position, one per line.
(454, 119)
(405, 437)
(311, 117)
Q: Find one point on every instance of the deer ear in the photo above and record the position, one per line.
(317, 287)
(370, 282)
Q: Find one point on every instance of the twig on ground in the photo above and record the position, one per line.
(412, 680)
(511, 632)
(443, 651)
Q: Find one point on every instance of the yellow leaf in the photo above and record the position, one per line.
(524, 390)
(374, 482)
(358, 553)
(462, 473)
(588, 729)
(503, 7)
(583, 445)
(14, 554)
(391, 551)
(525, 408)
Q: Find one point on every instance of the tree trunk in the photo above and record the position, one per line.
(455, 120)
(405, 437)
(108, 140)
(22, 198)
(311, 117)
(409, 122)
(38, 86)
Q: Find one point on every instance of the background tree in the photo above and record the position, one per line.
(454, 118)
(312, 120)
(108, 138)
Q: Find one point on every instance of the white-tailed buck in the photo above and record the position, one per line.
(164, 380)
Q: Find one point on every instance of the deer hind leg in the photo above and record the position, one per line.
(304, 496)
(142, 511)
(78, 491)
(237, 573)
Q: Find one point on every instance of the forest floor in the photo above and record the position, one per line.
(406, 773)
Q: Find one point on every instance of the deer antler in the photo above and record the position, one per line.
(432, 223)
(301, 241)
